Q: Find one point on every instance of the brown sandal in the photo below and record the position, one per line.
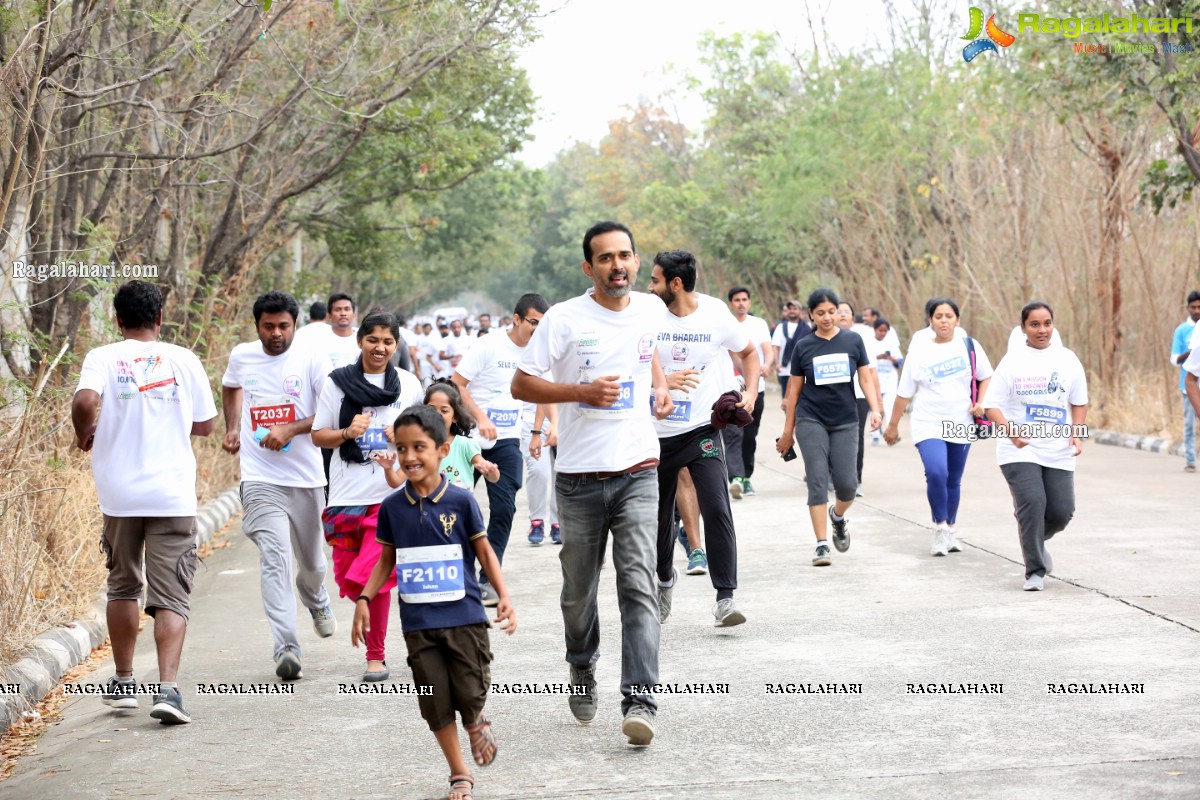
(483, 743)
(461, 787)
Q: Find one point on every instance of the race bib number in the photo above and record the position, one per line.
(1051, 415)
(832, 368)
(621, 408)
(267, 412)
(505, 419)
(430, 574)
(948, 368)
(372, 439)
(681, 413)
(885, 366)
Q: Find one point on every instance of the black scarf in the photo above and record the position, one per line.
(359, 394)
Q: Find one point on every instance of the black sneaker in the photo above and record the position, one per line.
(638, 725)
(841, 539)
(120, 693)
(168, 708)
(583, 706)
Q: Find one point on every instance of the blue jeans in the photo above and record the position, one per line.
(588, 509)
(1189, 430)
(944, 464)
(502, 495)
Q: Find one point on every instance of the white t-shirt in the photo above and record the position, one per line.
(580, 340)
(1017, 338)
(310, 334)
(700, 341)
(888, 373)
(782, 331)
(343, 350)
(489, 367)
(142, 458)
(757, 331)
(457, 346)
(871, 345)
(277, 390)
(1032, 385)
(890, 342)
(937, 377)
(363, 484)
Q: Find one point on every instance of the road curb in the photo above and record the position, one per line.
(1149, 444)
(58, 650)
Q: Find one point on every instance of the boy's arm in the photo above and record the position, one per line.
(506, 616)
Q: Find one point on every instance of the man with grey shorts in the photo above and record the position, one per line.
(269, 393)
(155, 397)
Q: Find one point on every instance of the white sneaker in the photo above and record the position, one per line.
(941, 544)
(1034, 583)
(952, 540)
(1047, 560)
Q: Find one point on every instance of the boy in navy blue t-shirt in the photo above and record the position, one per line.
(431, 532)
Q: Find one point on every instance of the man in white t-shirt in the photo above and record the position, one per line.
(700, 332)
(741, 444)
(789, 331)
(317, 329)
(269, 392)
(156, 396)
(596, 356)
(456, 345)
(485, 377)
(343, 345)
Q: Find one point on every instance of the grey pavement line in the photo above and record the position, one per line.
(58, 650)
(1067, 581)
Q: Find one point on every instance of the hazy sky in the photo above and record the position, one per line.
(597, 57)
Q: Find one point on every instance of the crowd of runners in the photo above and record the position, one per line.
(630, 418)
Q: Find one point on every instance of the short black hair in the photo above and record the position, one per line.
(880, 321)
(379, 320)
(138, 305)
(822, 295)
(739, 290)
(333, 298)
(425, 418)
(274, 303)
(1193, 296)
(317, 311)
(528, 302)
(934, 302)
(678, 264)
(1034, 305)
(608, 226)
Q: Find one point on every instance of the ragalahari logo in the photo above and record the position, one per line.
(979, 44)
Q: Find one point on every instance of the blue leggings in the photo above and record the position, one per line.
(944, 464)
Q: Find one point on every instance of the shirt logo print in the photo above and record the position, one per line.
(448, 521)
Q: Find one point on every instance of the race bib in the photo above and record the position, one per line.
(267, 412)
(885, 366)
(619, 409)
(948, 368)
(1051, 415)
(372, 439)
(681, 413)
(430, 574)
(832, 368)
(505, 419)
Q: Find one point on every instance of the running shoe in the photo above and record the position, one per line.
(323, 621)
(1189, 467)
(1047, 560)
(490, 598)
(748, 488)
(952, 541)
(664, 597)
(537, 532)
(841, 539)
(681, 534)
(858, 491)
(168, 707)
(727, 614)
(583, 706)
(736, 488)
(120, 693)
(940, 545)
(821, 555)
(697, 563)
(555, 534)
(1034, 583)
(638, 726)
(287, 666)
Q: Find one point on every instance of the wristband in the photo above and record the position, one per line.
(536, 432)
(361, 597)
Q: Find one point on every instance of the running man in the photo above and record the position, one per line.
(270, 392)
(485, 377)
(692, 349)
(155, 396)
(595, 356)
(741, 444)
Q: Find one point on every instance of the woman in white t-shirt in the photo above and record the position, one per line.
(354, 417)
(1038, 400)
(939, 373)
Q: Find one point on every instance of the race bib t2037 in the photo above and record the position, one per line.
(430, 574)
(267, 411)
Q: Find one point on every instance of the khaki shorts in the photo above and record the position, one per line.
(169, 544)
(456, 662)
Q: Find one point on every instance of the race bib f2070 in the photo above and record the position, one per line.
(430, 574)
(504, 418)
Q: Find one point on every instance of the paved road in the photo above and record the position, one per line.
(1123, 608)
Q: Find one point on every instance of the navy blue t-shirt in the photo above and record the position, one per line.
(435, 560)
(828, 367)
